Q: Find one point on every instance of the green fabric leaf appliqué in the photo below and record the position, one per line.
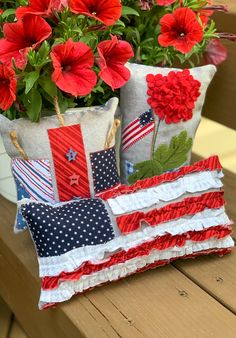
(166, 158)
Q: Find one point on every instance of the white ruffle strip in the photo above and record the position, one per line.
(69, 288)
(165, 192)
(72, 260)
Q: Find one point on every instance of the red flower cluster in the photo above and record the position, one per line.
(173, 97)
(105, 11)
(1, 11)
(7, 87)
(165, 2)
(181, 30)
(20, 36)
(72, 62)
(44, 8)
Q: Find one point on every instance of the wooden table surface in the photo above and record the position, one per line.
(194, 298)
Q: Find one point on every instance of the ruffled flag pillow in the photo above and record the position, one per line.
(161, 110)
(85, 243)
(56, 164)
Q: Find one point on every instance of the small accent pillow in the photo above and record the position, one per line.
(88, 242)
(161, 110)
(72, 155)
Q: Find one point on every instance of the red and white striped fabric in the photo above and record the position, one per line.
(176, 215)
(137, 129)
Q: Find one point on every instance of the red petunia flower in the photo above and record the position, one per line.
(105, 11)
(1, 11)
(165, 2)
(7, 87)
(20, 36)
(215, 52)
(72, 62)
(44, 8)
(173, 97)
(113, 55)
(181, 30)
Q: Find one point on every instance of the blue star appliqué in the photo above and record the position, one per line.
(71, 155)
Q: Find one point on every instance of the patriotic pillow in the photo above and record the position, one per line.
(74, 152)
(89, 242)
(161, 110)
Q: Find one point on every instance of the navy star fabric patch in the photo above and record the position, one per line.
(104, 168)
(62, 228)
(146, 118)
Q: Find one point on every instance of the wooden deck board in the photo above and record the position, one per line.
(16, 331)
(217, 275)
(143, 305)
(5, 319)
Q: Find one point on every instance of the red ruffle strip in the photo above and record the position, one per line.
(160, 243)
(218, 252)
(210, 164)
(189, 206)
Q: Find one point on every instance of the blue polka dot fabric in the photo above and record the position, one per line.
(104, 168)
(59, 229)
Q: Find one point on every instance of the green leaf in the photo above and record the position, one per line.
(30, 80)
(8, 12)
(34, 105)
(176, 154)
(48, 85)
(120, 23)
(44, 50)
(145, 169)
(166, 158)
(129, 11)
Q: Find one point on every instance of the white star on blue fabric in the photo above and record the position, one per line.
(71, 155)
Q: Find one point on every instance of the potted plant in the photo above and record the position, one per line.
(67, 54)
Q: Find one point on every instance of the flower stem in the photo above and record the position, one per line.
(154, 138)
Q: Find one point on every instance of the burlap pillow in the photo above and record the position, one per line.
(63, 162)
(170, 96)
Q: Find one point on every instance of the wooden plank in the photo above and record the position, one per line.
(143, 305)
(17, 331)
(5, 319)
(215, 275)
(162, 303)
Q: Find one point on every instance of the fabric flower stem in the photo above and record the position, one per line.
(154, 138)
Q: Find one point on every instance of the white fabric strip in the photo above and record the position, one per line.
(192, 183)
(68, 288)
(70, 261)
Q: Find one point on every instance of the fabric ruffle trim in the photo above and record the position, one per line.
(70, 288)
(160, 243)
(189, 206)
(211, 164)
(68, 262)
(167, 192)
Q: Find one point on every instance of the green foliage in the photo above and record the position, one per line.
(166, 158)
(30, 80)
(33, 104)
